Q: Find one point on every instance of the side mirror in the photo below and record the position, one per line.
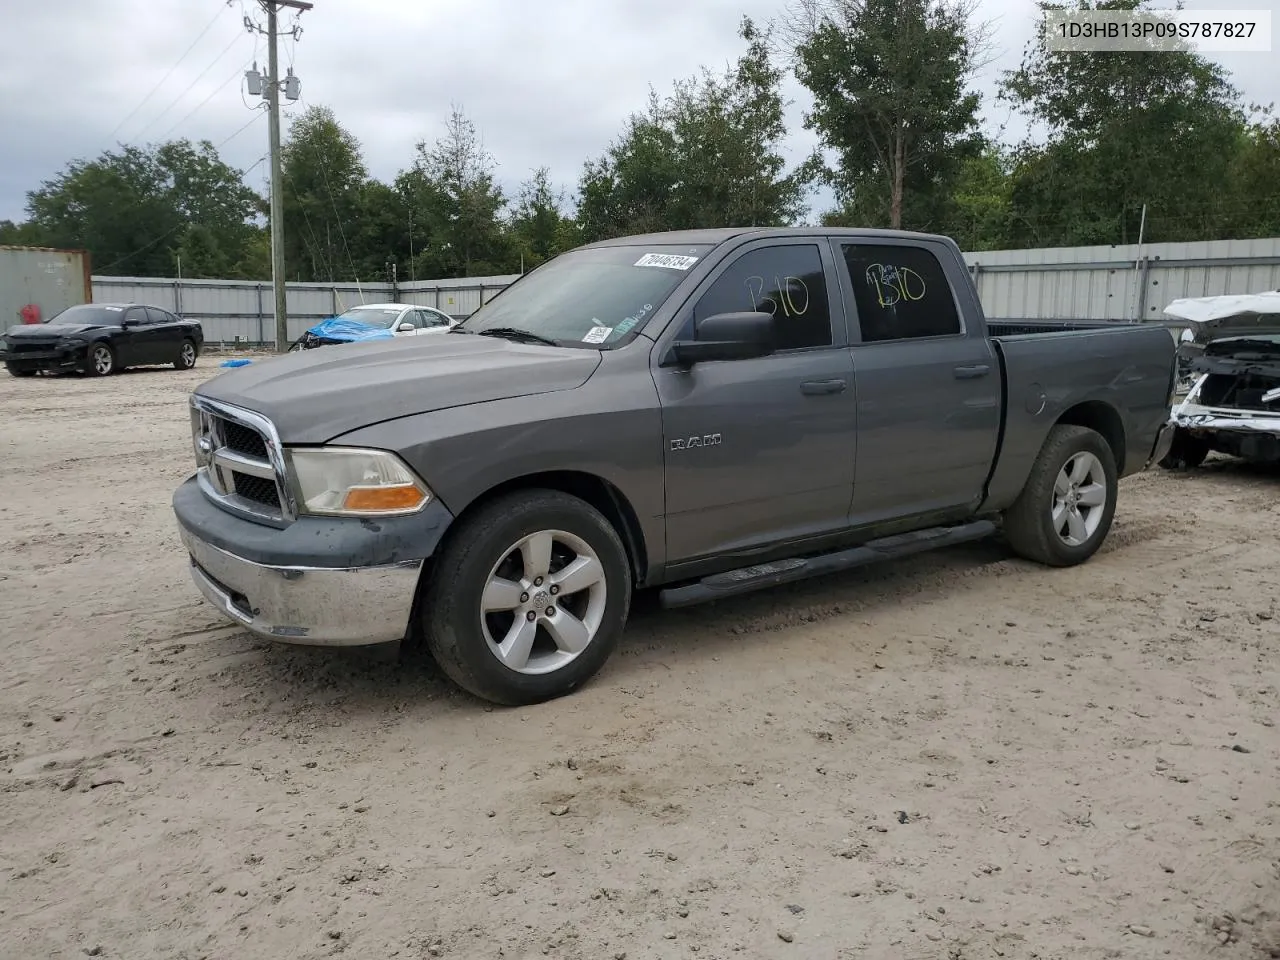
(405, 328)
(129, 323)
(725, 336)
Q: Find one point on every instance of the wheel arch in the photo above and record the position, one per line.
(588, 487)
(1102, 418)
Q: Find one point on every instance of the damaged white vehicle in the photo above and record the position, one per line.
(1233, 353)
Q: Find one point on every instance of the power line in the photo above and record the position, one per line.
(239, 71)
(189, 87)
(252, 120)
(159, 84)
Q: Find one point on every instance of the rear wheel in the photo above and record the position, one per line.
(1186, 452)
(1065, 510)
(186, 356)
(101, 361)
(529, 598)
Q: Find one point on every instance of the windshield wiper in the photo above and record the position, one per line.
(520, 336)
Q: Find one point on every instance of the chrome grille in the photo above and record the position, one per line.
(243, 439)
(239, 459)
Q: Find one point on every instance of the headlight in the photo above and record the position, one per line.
(348, 481)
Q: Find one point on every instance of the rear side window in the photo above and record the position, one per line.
(901, 293)
(786, 281)
(156, 315)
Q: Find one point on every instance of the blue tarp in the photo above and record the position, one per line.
(344, 328)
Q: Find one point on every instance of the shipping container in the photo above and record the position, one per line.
(37, 283)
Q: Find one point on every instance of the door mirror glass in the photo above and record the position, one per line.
(727, 336)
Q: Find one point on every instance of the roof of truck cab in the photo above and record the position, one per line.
(719, 235)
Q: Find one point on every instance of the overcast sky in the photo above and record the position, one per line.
(546, 81)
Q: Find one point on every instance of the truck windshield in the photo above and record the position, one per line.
(593, 297)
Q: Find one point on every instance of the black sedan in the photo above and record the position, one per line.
(103, 338)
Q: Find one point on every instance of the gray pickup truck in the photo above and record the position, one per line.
(702, 413)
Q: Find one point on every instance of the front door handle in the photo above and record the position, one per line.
(816, 388)
(973, 372)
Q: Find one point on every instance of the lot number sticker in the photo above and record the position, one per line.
(669, 260)
(597, 335)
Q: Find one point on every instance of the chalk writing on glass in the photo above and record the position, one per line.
(894, 284)
(789, 294)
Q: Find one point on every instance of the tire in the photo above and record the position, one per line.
(541, 662)
(1084, 461)
(100, 360)
(1186, 452)
(186, 356)
(15, 372)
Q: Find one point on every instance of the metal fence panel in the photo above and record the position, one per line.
(1060, 283)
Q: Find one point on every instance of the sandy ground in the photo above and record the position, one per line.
(958, 756)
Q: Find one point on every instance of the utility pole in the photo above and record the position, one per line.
(270, 86)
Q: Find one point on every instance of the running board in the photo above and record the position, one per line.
(758, 577)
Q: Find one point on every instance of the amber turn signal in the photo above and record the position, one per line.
(402, 496)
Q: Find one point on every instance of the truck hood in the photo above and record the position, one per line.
(46, 330)
(1212, 318)
(313, 396)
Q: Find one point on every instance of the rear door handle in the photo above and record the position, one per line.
(973, 372)
(815, 388)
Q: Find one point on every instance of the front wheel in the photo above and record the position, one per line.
(1065, 509)
(528, 599)
(16, 372)
(101, 361)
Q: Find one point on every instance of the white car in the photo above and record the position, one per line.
(402, 319)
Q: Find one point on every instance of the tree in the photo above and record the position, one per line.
(538, 225)
(324, 183)
(1254, 174)
(707, 155)
(1123, 129)
(981, 206)
(890, 81)
(131, 209)
(453, 187)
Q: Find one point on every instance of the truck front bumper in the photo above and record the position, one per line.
(320, 581)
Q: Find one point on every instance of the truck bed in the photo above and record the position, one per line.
(1122, 372)
(1020, 328)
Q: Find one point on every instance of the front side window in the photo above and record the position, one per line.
(786, 281)
(430, 319)
(901, 292)
(591, 297)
